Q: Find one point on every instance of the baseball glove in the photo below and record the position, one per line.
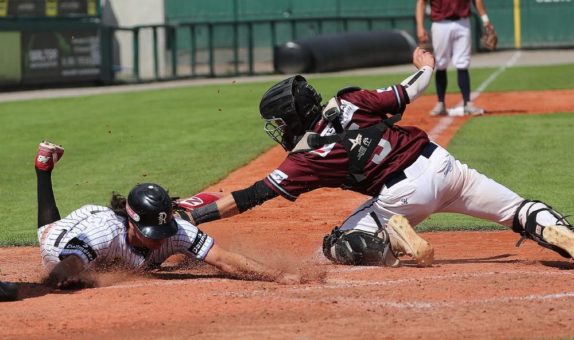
(489, 38)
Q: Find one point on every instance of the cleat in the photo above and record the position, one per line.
(8, 291)
(48, 155)
(470, 109)
(560, 236)
(439, 110)
(409, 242)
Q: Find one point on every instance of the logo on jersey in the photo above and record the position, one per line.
(162, 218)
(357, 141)
(362, 142)
(388, 89)
(278, 176)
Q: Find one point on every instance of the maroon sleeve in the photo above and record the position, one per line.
(392, 99)
(304, 172)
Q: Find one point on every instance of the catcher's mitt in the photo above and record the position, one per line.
(489, 38)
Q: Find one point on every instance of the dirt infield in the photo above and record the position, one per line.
(481, 286)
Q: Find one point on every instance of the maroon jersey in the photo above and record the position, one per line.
(449, 9)
(329, 165)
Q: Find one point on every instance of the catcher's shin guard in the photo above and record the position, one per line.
(539, 222)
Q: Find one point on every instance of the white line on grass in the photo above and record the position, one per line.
(445, 122)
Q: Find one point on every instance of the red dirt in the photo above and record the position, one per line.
(480, 286)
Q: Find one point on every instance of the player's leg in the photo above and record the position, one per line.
(461, 51)
(474, 194)
(47, 156)
(409, 199)
(442, 50)
(362, 240)
(479, 196)
(540, 222)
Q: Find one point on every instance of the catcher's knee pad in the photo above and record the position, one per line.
(532, 217)
(357, 247)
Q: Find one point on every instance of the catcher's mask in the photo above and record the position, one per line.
(289, 108)
(149, 208)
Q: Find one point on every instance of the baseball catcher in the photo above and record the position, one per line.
(353, 141)
(139, 231)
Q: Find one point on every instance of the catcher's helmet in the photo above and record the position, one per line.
(149, 208)
(289, 108)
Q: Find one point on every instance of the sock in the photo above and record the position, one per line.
(47, 209)
(464, 84)
(441, 84)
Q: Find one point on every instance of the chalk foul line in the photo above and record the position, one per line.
(445, 122)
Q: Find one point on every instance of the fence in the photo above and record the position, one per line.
(226, 48)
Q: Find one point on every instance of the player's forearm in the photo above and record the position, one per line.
(224, 207)
(244, 267)
(481, 9)
(420, 13)
(416, 84)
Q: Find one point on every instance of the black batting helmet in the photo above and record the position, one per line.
(289, 108)
(149, 208)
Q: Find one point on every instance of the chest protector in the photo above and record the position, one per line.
(359, 143)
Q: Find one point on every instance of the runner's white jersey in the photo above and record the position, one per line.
(99, 237)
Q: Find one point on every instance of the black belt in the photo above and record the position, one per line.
(398, 176)
(453, 18)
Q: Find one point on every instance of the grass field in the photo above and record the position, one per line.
(188, 138)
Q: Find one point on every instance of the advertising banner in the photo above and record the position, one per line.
(61, 56)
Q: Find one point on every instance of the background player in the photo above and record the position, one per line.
(450, 39)
(140, 231)
(353, 144)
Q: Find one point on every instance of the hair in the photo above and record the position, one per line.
(118, 205)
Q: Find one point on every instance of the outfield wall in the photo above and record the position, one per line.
(520, 23)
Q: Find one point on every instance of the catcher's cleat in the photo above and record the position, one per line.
(48, 155)
(560, 236)
(8, 291)
(439, 109)
(406, 240)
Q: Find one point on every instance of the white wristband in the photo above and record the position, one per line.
(484, 19)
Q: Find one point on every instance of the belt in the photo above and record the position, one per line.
(451, 18)
(398, 176)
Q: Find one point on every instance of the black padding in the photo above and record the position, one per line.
(356, 247)
(343, 51)
(204, 214)
(253, 196)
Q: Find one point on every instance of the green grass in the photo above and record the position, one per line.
(188, 138)
(527, 78)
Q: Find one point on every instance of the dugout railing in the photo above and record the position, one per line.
(219, 49)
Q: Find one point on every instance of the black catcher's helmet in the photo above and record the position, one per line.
(289, 108)
(149, 208)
